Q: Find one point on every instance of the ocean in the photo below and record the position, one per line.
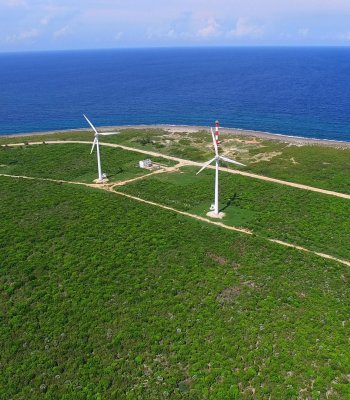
(292, 91)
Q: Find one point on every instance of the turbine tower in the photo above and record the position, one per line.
(97, 143)
(215, 212)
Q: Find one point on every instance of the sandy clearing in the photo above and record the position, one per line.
(195, 163)
(109, 189)
(257, 158)
(244, 141)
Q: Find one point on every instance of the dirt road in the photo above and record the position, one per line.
(109, 188)
(197, 164)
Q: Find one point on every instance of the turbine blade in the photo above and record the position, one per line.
(231, 161)
(205, 165)
(87, 119)
(93, 145)
(214, 142)
(109, 133)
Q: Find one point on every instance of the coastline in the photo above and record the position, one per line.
(297, 140)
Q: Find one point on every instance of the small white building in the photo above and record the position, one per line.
(145, 163)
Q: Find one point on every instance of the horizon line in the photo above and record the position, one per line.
(167, 47)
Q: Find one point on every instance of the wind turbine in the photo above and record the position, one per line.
(217, 158)
(97, 143)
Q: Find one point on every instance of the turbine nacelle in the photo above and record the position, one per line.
(217, 157)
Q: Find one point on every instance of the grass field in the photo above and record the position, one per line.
(106, 298)
(71, 162)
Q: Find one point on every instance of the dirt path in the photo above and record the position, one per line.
(232, 228)
(109, 189)
(138, 178)
(33, 178)
(194, 163)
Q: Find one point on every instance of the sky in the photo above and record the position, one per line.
(27, 25)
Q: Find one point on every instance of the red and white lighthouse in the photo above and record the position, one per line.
(217, 131)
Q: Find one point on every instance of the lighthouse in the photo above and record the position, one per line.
(217, 132)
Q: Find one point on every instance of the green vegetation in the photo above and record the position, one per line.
(315, 165)
(102, 297)
(323, 167)
(71, 162)
(296, 216)
(66, 135)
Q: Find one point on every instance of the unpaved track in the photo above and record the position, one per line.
(139, 178)
(194, 163)
(33, 178)
(245, 231)
(109, 188)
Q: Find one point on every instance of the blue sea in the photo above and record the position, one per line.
(293, 91)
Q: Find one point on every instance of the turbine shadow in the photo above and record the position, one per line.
(230, 202)
(119, 171)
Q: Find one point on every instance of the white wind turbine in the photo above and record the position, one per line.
(217, 158)
(97, 143)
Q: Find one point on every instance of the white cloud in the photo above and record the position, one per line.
(45, 20)
(304, 32)
(181, 22)
(23, 36)
(344, 36)
(32, 33)
(246, 29)
(64, 31)
(13, 3)
(171, 33)
(118, 36)
(194, 29)
(212, 28)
